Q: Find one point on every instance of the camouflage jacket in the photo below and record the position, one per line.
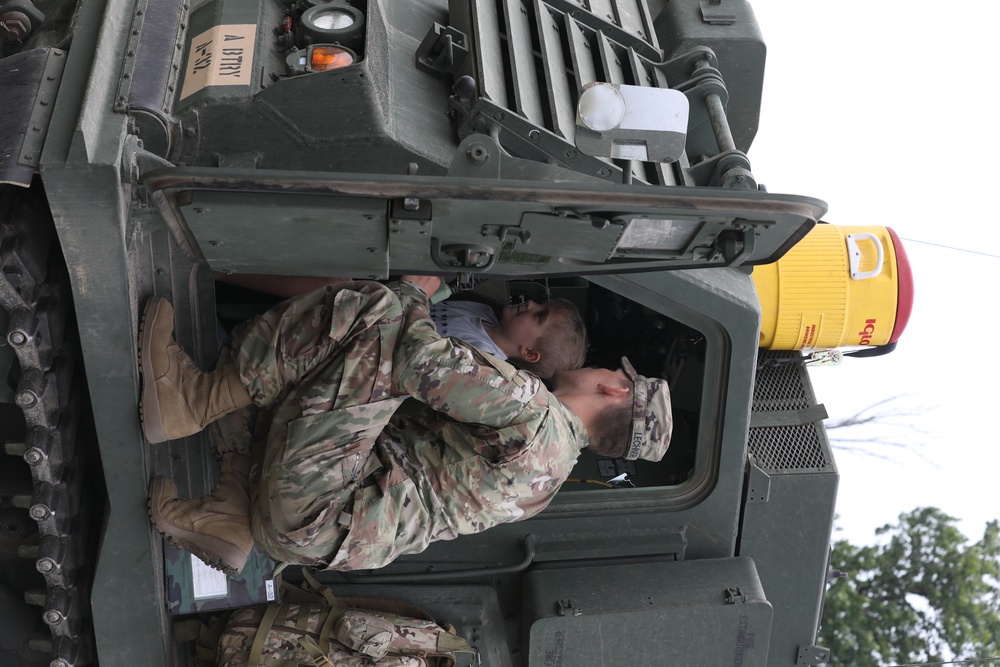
(493, 446)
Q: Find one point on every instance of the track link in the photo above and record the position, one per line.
(66, 489)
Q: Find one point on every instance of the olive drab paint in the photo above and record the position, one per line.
(202, 147)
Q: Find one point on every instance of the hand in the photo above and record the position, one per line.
(427, 284)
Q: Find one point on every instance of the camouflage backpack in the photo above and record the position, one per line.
(337, 632)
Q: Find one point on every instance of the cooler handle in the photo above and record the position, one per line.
(854, 255)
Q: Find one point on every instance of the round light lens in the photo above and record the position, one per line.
(323, 58)
(601, 107)
(333, 19)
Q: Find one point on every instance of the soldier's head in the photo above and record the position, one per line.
(626, 414)
(542, 337)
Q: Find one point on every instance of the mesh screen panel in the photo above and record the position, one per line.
(780, 388)
(788, 448)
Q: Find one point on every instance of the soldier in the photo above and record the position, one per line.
(342, 483)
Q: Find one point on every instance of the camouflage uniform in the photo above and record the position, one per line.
(345, 484)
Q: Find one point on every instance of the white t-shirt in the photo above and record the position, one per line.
(465, 321)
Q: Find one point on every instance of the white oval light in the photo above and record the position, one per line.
(333, 19)
(601, 107)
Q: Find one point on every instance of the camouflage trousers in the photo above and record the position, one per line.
(319, 366)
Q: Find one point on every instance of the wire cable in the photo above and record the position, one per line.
(948, 247)
(970, 661)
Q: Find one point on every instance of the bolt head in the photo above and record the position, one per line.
(17, 26)
(478, 153)
(17, 338)
(26, 399)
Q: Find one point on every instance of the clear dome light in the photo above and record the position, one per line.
(333, 19)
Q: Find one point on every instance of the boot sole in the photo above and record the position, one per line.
(217, 554)
(149, 404)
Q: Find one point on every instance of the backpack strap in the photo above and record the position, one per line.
(318, 655)
(325, 591)
(262, 631)
(206, 638)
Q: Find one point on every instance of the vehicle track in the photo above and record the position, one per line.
(46, 382)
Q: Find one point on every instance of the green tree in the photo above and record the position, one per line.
(924, 594)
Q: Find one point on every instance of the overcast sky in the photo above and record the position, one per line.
(884, 110)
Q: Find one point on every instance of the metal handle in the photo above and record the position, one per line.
(450, 575)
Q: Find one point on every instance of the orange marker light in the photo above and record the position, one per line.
(323, 58)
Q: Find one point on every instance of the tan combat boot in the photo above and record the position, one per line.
(215, 527)
(178, 398)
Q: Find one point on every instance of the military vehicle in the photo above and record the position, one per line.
(592, 149)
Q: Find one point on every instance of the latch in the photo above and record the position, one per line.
(443, 50)
(718, 12)
(735, 246)
(568, 607)
(470, 257)
(503, 231)
(732, 594)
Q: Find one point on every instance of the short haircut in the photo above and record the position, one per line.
(609, 432)
(563, 347)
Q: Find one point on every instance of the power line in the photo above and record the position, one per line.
(971, 661)
(948, 247)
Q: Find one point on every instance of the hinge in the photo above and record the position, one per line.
(41, 113)
(812, 655)
(128, 65)
(734, 594)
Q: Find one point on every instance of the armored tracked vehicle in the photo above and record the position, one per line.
(588, 149)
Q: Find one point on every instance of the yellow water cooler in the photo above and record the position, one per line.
(838, 287)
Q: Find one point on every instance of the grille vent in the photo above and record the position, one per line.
(533, 57)
(785, 448)
(781, 387)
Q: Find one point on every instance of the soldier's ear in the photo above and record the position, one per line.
(530, 354)
(613, 390)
